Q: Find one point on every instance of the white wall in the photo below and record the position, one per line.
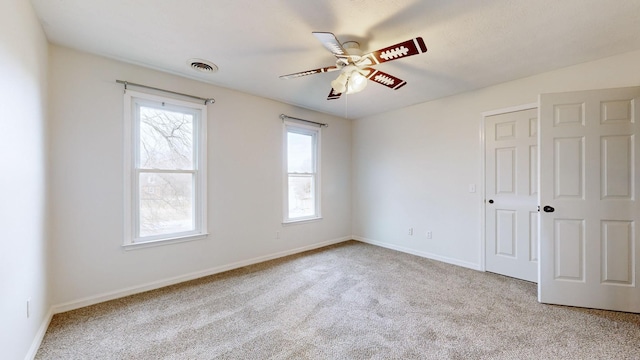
(245, 182)
(23, 179)
(413, 167)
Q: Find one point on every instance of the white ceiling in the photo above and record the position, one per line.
(471, 43)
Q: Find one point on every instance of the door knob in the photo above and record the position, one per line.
(548, 209)
(490, 201)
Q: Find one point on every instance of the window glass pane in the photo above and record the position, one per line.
(301, 196)
(299, 153)
(166, 203)
(166, 139)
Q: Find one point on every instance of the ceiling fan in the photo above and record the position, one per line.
(356, 68)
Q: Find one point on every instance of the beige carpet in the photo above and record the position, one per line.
(348, 301)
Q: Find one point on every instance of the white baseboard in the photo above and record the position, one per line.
(37, 340)
(423, 254)
(91, 300)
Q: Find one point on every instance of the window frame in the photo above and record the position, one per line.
(132, 102)
(316, 133)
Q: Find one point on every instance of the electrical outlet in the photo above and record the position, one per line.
(429, 235)
(411, 231)
(277, 234)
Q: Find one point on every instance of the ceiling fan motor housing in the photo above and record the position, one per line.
(352, 48)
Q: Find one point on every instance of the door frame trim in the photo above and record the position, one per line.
(485, 114)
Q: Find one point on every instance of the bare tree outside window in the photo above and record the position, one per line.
(166, 139)
(166, 190)
(301, 199)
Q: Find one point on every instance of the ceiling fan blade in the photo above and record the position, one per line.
(385, 79)
(404, 49)
(309, 72)
(333, 95)
(331, 43)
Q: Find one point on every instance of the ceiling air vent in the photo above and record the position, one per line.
(202, 65)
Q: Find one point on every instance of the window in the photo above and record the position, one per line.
(302, 178)
(165, 174)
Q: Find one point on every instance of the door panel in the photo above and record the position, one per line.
(616, 167)
(569, 166)
(505, 170)
(512, 184)
(617, 247)
(569, 249)
(534, 218)
(506, 233)
(533, 169)
(589, 173)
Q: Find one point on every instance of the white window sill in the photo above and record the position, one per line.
(301, 221)
(154, 243)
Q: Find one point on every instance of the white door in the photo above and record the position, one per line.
(511, 190)
(589, 166)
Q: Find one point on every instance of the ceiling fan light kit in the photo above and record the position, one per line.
(357, 82)
(356, 68)
(351, 80)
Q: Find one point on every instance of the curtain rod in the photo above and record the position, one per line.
(206, 100)
(283, 116)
